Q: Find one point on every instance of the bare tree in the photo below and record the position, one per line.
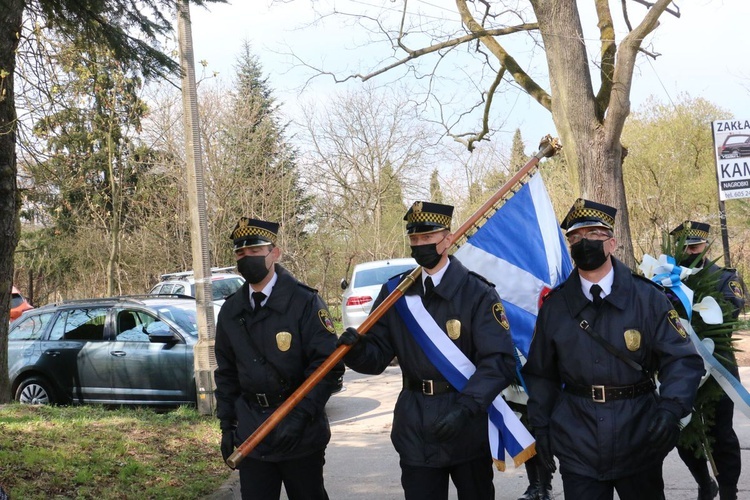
(368, 157)
(588, 120)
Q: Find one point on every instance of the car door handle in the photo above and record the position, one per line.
(119, 354)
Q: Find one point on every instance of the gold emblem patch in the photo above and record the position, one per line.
(325, 318)
(499, 312)
(736, 289)
(454, 329)
(283, 341)
(674, 320)
(417, 207)
(632, 340)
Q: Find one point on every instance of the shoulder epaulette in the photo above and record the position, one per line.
(553, 290)
(307, 287)
(482, 278)
(653, 283)
(730, 269)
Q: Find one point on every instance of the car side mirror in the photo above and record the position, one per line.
(160, 333)
(344, 284)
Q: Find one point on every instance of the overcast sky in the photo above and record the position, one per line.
(704, 52)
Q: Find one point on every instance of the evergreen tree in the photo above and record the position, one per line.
(90, 170)
(263, 165)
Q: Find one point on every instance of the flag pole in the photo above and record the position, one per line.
(547, 148)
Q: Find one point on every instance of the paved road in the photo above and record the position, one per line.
(361, 463)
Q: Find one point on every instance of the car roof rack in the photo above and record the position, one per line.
(121, 298)
(185, 274)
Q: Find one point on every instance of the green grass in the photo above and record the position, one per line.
(96, 452)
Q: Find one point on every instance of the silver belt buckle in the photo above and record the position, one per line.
(428, 388)
(602, 398)
(262, 400)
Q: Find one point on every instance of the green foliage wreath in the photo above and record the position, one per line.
(704, 283)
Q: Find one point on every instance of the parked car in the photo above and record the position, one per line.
(735, 146)
(223, 284)
(120, 350)
(367, 279)
(18, 304)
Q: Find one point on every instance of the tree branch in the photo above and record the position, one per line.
(608, 52)
(623, 75)
(508, 62)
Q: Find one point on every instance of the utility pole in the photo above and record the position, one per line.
(203, 352)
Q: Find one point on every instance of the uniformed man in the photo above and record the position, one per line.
(600, 338)
(271, 335)
(726, 446)
(439, 431)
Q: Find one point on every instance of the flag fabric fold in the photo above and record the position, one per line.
(522, 251)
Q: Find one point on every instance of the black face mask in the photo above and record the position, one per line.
(588, 254)
(253, 268)
(426, 255)
(687, 261)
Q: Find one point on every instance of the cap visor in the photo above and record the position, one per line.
(592, 223)
(250, 244)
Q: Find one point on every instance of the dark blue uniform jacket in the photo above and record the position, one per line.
(607, 440)
(293, 312)
(484, 338)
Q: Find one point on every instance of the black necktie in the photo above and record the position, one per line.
(596, 293)
(428, 287)
(258, 298)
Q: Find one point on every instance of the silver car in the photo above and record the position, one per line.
(223, 284)
(367, 279)
(120, 350)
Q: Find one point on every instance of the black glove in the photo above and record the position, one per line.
(664, 431)
(290, 430)
(227, 443)
(350, 337)
(544, 450)
(449, 425)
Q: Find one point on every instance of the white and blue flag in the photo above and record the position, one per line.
(522, 251)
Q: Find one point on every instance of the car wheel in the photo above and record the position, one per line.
(35, 391)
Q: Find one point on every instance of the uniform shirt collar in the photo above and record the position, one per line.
(266, 289)
(437, 277)
(606, 284)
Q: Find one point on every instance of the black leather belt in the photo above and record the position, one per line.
(428, 387)
(265, 400)
(602, 394)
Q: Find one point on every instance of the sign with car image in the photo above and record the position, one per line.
(732, 140)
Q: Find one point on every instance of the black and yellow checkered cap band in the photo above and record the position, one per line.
(694, 233)
(590, 214)
(248, 232)
(429, 218)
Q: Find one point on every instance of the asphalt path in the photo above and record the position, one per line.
(361, 462)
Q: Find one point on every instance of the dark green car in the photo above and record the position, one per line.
(120, 350)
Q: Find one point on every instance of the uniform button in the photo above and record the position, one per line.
(596, 361)
(601, 419)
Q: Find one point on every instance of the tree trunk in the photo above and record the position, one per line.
(10, 28)
(589, 145)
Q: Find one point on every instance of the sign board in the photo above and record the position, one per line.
(732, 141)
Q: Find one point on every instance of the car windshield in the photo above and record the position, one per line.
(378, 276)
(221, 289)
(183, 315)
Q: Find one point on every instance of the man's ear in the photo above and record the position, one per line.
(276, 253)
(448, 241)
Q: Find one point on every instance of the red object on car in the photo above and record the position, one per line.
(18, 304)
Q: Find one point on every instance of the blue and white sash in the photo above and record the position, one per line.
(506, 432)
(733, 387)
